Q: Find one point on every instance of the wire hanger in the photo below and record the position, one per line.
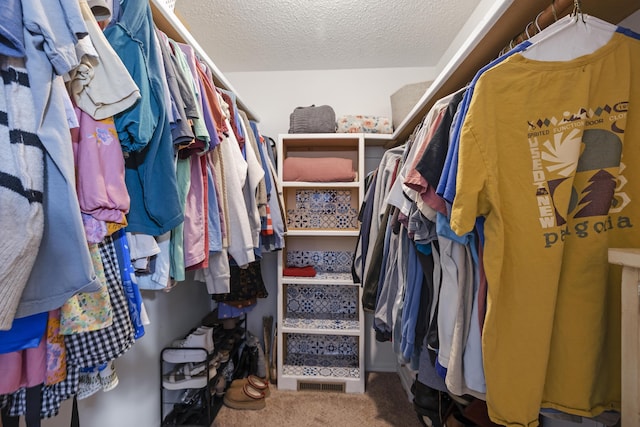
(526, 31)
(553, 10)
(577, 11)
(536, 21)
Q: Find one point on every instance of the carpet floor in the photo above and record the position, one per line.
(384, 404)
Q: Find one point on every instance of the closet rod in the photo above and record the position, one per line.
(556, 10)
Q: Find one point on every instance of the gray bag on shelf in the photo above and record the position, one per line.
(312, 119)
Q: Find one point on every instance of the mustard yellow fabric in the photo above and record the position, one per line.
(540, 157)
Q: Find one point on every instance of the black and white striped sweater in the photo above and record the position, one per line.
(21, 186)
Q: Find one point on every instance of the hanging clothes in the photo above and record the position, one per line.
(62, 217)
(545, 256)
(100, 85)
(21, 186)
(144, 130)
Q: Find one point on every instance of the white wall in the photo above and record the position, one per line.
(273, 95)
(478, 20)
(632, 21)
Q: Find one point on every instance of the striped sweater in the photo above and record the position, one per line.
(21, 186)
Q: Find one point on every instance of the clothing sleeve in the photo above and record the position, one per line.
(73, 18)
(472, 181)
(46, 22)
(135, 125)
(133, 40)
(102, 86)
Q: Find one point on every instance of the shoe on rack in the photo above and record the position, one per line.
(189, 396)
(192, 413)
(220, 386)
(431, 405)
(229, 323)
(220, 357)
(189, 375)
(182, 350)
(211, 319)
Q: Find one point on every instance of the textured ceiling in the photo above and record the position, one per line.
(271, 35)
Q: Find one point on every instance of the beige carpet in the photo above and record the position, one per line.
(385, 403)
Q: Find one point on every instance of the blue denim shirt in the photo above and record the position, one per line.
(11, 39)
(144, 129)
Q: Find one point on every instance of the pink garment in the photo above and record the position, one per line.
(205, 261)
(323, 169)
(433, 200)
(24, 368)
(416, 182)
(195, 216)
(102, 192)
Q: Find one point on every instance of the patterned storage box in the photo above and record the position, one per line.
(335, 345)
(323, 209)
(322, 307)
(322, 299)
(366, 124)
(321, 366)
(322, 355)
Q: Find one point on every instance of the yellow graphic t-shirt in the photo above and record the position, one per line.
(550, 154)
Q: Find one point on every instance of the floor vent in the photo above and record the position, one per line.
(318, 386)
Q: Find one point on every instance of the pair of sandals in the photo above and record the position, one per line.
(247, 393)
(189, 375)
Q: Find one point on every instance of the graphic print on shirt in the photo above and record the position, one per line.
(105, 132)
(577, 172)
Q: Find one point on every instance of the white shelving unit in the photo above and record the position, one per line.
(320, 320)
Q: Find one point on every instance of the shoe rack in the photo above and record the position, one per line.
(197, 401)
(320, 339)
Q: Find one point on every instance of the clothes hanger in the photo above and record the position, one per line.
(526, 30)
(535, 21)
(575, 35)
(577, 11)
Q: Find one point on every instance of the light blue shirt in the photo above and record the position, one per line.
(63, 266)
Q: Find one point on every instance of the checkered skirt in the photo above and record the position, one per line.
(87, 348)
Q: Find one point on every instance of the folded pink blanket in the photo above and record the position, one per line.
(323, 169)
